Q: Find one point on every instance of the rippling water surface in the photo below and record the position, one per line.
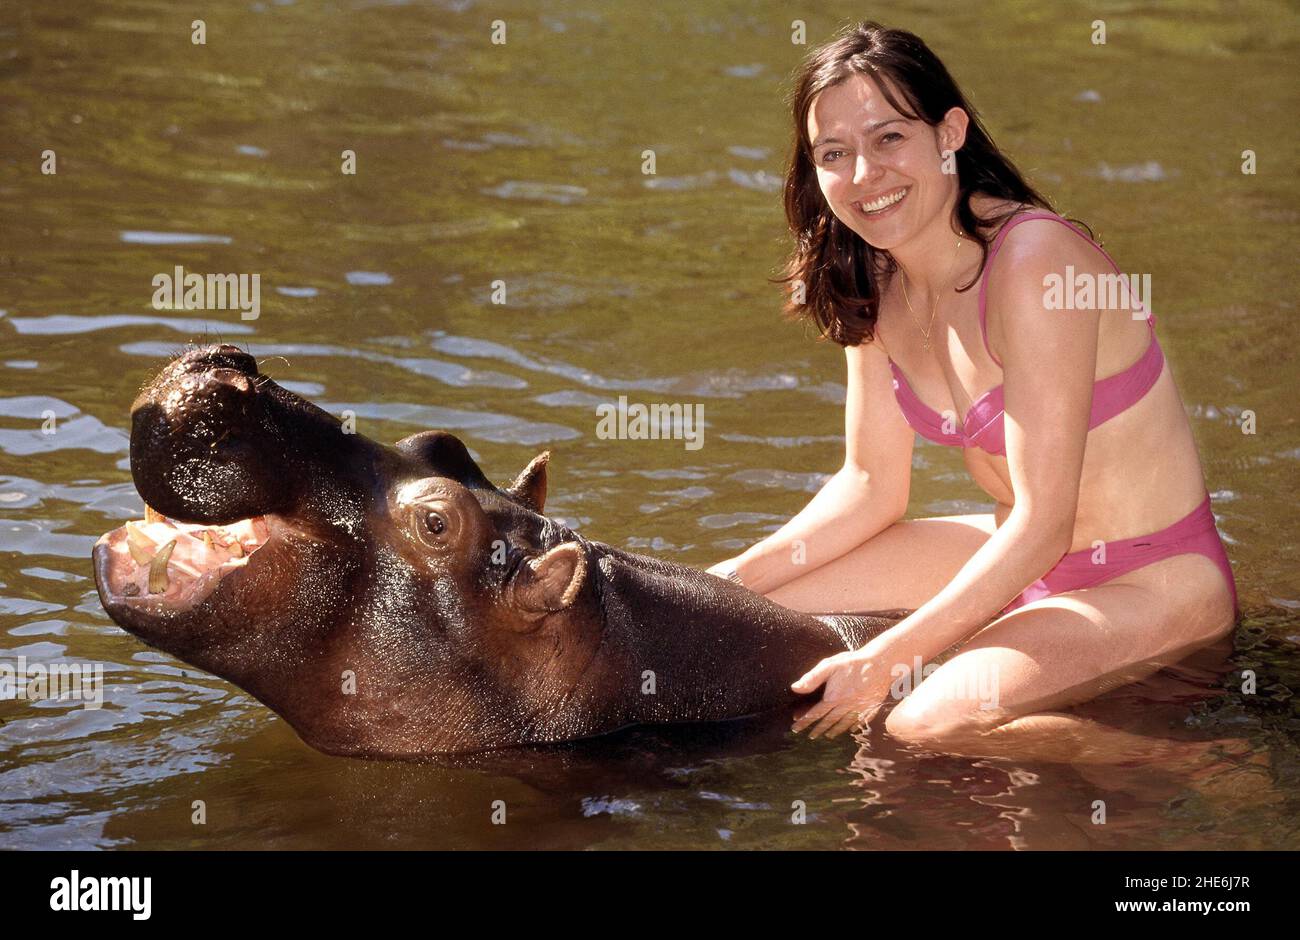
(522, 163)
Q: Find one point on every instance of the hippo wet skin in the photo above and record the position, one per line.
(391, 602)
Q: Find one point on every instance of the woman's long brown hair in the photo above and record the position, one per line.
(837, 268)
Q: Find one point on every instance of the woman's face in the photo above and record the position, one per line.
(883, 175)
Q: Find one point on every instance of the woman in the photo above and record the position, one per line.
(925, 254)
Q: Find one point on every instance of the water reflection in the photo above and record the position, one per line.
(522, 164)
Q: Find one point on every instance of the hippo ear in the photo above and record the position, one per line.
(529, 487)
(550, 582)
(446, 455)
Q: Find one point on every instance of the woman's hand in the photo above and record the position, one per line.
(857, 684)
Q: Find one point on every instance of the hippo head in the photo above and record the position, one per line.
(384, 601)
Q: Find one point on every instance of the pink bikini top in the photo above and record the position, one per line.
(983, 427)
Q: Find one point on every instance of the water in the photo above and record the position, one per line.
(522, 163)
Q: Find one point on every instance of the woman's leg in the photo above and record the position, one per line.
(999, 695)
(902, 567)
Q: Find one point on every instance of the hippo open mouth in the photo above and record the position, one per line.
(394, 602)
(157, 562)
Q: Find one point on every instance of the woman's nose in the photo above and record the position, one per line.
(863, 169)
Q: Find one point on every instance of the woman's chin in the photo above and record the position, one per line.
(887, 233)
(883, 237)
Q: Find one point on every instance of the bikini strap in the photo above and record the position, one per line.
(993, 250)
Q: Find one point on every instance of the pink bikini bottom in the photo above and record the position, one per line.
(1193, 534)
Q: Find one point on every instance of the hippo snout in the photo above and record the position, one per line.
(207, 444)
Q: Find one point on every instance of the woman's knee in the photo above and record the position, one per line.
(954, 703)
(926, 723)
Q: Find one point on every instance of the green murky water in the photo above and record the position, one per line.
(522, 163)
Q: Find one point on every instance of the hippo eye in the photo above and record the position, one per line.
(435, 523)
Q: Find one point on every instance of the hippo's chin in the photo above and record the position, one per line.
(160, 566)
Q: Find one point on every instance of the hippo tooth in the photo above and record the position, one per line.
(158, 568)
(153, 515)
(237, 549)
(138, 544)
(207, 540)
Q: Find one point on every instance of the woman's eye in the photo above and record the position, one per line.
(826, 157)
(435, 523)
(891, 137)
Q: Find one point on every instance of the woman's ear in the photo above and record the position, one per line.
(952, 129)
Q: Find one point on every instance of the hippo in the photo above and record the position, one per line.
(393, 603)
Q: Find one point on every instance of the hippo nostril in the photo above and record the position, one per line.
(225, 375)
(224, 356)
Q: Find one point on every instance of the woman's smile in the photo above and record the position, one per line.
(877, 207)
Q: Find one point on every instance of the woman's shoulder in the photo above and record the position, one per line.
(1036, 253)
(1034, 240)
(992, 213)
(1002, 218)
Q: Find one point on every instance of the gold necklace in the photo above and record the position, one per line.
(934, 308)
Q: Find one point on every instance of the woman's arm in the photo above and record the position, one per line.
(867, 495)
(1049, 361)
